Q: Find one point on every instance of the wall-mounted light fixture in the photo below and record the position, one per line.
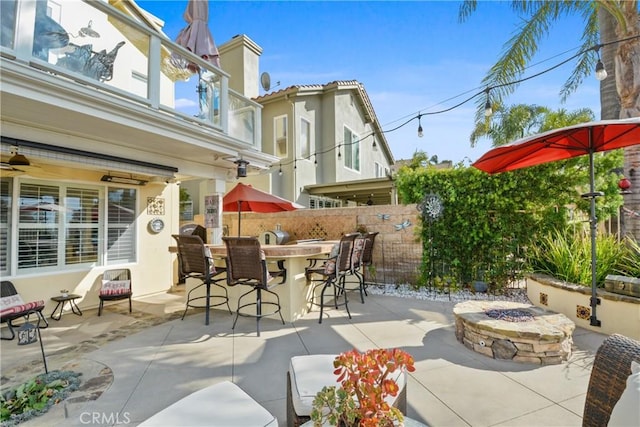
(122, 180)
(242, 168)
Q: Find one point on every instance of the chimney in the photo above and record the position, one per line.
(240, 58)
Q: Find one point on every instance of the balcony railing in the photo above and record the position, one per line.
(116, 47)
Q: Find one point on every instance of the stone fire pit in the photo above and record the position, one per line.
(514, 331)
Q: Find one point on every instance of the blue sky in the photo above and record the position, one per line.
(411, 56)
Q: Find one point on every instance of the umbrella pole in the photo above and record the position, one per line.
(239, 203)
(593, 223)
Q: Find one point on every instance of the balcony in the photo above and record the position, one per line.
(106, 66)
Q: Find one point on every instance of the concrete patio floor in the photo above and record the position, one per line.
(138, 364)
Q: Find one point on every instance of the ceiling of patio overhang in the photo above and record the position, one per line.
(41, 107)
(381, 191)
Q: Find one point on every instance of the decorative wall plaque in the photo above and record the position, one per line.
(155, 205)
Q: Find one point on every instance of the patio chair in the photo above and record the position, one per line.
(247, 266)
(367, 255)
(608, 380)
(12, 307)
(97, 65)
(194, 261)
(116, 285)
(361, 259)
(333, 275)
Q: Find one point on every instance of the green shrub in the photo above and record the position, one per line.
(36, 396)
(629, 262)
(566, 255)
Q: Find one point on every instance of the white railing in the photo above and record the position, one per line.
(115, 47)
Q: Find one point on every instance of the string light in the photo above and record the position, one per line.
(600, 72)
(488, 111)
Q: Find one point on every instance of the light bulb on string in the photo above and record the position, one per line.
(420, 133)
(601, 72)
(280, 171)
(488, 111)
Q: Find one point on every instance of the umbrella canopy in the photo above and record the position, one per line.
(196, 36)
(564, 143)
(560, 144)
(245, 198)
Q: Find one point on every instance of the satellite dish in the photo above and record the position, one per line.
(265, 81)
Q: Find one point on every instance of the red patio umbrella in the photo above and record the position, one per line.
(564, 143)
(245, 198)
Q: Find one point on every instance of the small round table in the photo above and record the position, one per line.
(62, 300)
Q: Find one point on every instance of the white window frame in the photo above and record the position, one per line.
(305, 138)
(280, 136)
(60, 202)
(379, 170)
(351, 150)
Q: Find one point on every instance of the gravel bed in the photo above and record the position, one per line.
(518, 294)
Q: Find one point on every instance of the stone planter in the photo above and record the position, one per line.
(622, 285)
(617, 313)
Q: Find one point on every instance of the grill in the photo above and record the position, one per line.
(274, 237)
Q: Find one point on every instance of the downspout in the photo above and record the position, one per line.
(293, 150)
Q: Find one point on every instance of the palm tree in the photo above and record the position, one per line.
(617, 23)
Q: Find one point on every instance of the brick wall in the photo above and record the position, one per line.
(397, 249)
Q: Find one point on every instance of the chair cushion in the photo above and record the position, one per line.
(329, 267)
(15, 309)
(358, 247)
(10, 301)
(220, 405)
(309, 374)
(115, 287)
(626, 412)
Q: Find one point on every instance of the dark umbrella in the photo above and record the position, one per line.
(197, 38)
(245, 198)
(559, 144)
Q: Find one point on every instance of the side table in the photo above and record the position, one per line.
(62, 300)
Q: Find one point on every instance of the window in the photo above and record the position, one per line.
(316, 202)
(65, 225)
(305, 138)
(38, 225)
(280, 136)
(351, 150)
(121, 231)
(379, 170)
(82, 226)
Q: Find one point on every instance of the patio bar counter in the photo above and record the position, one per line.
(294, 293)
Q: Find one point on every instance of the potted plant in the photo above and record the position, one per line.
(366, 381)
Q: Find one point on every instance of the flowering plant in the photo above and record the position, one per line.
(366, 381)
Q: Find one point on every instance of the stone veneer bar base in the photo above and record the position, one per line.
(545, 340)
